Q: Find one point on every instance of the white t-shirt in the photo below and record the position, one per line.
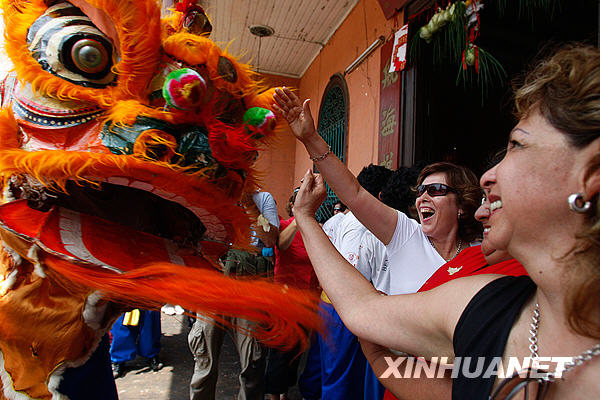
(268, 208)
(347, 240)
(412, 258)
(372, 257)
(331, 226)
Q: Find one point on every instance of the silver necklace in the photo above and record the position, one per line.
(458, 248)
(533, 348)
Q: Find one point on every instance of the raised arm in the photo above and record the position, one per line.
(286, 236)
(268, 234)
(373, 214)
(406, 387)
(421, 324)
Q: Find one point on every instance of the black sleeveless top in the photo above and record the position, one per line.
(482, 331)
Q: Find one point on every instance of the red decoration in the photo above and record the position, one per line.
(185, 5)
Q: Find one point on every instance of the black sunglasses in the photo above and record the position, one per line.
(434, 189)
(521, 385)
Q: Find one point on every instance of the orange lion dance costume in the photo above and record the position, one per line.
(114, 197)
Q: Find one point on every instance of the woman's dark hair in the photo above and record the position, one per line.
(398, 192)
(373, 178)
(468, 195)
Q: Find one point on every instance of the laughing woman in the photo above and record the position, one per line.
(447, 198)
(545, 213)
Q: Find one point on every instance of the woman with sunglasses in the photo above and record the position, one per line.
(544, 199)
(446, 199)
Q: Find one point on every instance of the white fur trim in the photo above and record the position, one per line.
(32, 254)
(7, 283)
(38, 270)
(16, 257)
(7, 384)
(54, 382)
(93, 314)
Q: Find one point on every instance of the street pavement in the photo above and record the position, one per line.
(172, 381)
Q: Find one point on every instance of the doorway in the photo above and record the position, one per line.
(454, 123)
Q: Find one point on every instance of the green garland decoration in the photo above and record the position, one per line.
(451, 36)
(490, 71)
(447, 44)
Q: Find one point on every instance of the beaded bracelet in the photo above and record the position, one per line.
(322, 156)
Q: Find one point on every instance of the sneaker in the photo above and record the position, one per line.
(155, 364)
(117, 369)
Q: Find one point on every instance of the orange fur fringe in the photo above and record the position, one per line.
(54, 168)
(284, 316)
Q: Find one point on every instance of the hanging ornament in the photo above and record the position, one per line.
(184, 89)
(259, 122)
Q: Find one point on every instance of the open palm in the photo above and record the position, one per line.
(297, 114)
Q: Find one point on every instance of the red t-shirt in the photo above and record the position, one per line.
(293, 267)
(469, 262)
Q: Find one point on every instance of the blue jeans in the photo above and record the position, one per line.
(342, 360)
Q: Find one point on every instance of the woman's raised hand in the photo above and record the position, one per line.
(311, 195)
(296, 114)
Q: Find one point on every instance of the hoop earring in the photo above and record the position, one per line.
(578, 204)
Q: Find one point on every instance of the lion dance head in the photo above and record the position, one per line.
(126, 150)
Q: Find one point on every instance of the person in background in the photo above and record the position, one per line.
(339, 207)
(372, 256)
(136, 332)
(293, 268)
(342, 362)
(331, 226)
(399, 193)
(206, 338)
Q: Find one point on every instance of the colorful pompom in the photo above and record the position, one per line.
(184, 89)
(259, 122)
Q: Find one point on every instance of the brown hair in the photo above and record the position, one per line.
(566, 89)
(468, 194)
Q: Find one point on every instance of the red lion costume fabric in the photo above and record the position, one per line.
(113, 198)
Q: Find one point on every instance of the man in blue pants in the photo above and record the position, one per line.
(141, 338)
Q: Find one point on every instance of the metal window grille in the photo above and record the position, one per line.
(333, 128)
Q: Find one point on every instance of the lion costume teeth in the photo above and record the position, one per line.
(112, 198)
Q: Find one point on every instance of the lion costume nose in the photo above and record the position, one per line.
(155, 145)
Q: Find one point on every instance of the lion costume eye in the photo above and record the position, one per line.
(66, 43)
(89, 56)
